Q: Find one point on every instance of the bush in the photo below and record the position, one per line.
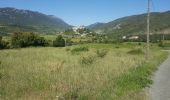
(117, 47)
(71, 95)
(40, 41)
(101, 53)
(67, 49)
(136, 51)
(59, 42)
(139, 43)
(21, 39)
(80, 49)
(164, 44)
(87, 60)
(3, 44)
(68, 42)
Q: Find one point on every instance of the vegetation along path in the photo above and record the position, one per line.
(160, 90)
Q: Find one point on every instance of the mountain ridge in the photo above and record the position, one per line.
(134, 24)
(18, 17)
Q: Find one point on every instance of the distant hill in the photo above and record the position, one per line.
(96, 25)
(136, 24)
(12, 19)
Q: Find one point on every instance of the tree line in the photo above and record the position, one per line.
(26, 39)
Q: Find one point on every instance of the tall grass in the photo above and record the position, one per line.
(79, 49)
(51, 73)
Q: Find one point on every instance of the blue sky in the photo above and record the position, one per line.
(85, 12)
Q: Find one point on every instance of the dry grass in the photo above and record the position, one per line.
(44, 73)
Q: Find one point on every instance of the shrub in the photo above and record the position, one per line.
(161, 44)
(101, 53)
(87, 60)
(164, 44)
(136, 51)
(59, 42)
(68, 42)
(3, 44)
(67, 49)
(40, 41)
(139, 43)
(117, 47)
(79, 49)
(71, 95)
(21, 39)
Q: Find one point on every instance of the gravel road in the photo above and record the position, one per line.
(160, 90)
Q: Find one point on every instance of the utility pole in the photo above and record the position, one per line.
(148, 32)
(163, 38)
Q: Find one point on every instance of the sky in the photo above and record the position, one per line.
(86, 12)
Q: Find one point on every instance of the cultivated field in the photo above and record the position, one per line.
(86, 72)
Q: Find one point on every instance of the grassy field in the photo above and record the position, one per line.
(49, 37)
(86, 72)
(75, 39)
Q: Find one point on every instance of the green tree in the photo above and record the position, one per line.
(3, 44)
(59, 42)
(69, 32)
(20, 39)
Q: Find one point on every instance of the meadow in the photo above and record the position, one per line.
(81, 72)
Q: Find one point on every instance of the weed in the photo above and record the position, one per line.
(136, 51)
(164, 45)
(101, 53)
(67, 49)
(80, 77)
(117, 47)
(72, 95)
(87, 60)
(79, 49)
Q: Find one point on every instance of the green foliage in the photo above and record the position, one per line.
(72, 95)
(137, 78)
(134, 25)
(87, 60)
(20, 39)
(68, 49)
(59, 42)
(69, 32)
(160, 44)
(40, 41)
(68, 42)
(111, 78)
(136, 51)
(37, 23)
(3, 44)
(101, 53)
(80, 49)
(83, 30)
(164, 44)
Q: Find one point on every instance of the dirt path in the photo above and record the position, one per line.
(160, 90)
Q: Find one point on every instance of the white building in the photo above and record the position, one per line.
(133, 37)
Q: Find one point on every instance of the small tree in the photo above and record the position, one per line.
(59, 42)
(21, 39)
(3, 44)
(40, 41)
(68, 42)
